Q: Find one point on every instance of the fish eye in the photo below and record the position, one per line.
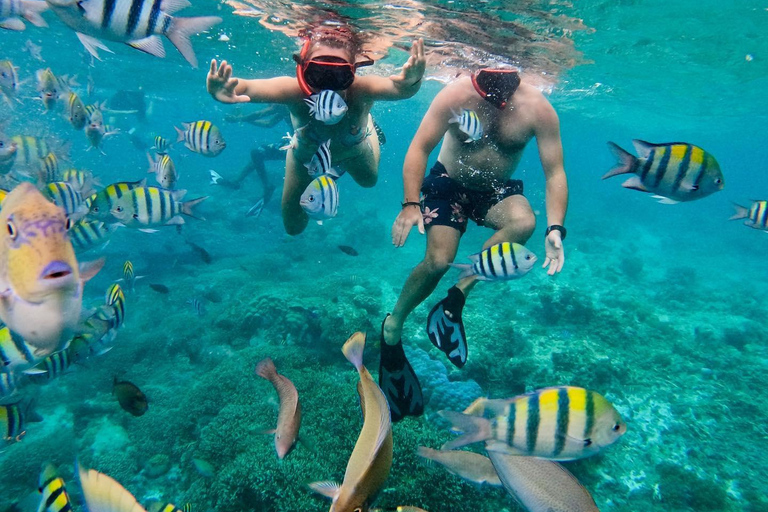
(527, 256)
(119, 209)
(68, 225)
(135, 215)
(616, 427)
(718, 181)
(95, 209)
(311, 199)
(12, 230)
(587, 442)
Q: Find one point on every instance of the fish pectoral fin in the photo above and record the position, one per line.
(92, 44)
(89, 269)
(634, 183)
(14, 24)
(152, 45)
(665, 200)
(327, 488)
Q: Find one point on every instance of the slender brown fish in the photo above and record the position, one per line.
(289, 415)
(541, 485)
(130, 397)
(470, 466)
(371, 460)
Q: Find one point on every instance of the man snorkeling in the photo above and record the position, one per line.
(328, 60)
(470, 180)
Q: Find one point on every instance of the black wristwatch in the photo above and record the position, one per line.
(556, 227)
(410, 203)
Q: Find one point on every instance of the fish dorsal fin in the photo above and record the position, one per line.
(327, 488)
(643, 148)
(172, 6)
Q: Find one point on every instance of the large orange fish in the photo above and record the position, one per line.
(371, 460)
(289, 416)
(41, 286)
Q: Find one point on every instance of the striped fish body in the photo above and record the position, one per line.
(321, 160)
(95, 133)
(54, 496)
(202, 137)
(153, 206)
(50, 368)
(76, 111)
(160, 506)
(49, 169)
(129, 276)
(161, 145)
(115, 307)
(30, 150)
(65, 196)
(11, 422)
(49, 87)
(8, 150)
(499, 262)
(328, 107)
(83, 181)
(674, 171)
(15, 354)
(9, 78)
(93, 114)
(756, 215)
(165, 171)
(86, 234)
(101, 203)
(320, 199)
(469, 124)
(7, 383)
(561, 423)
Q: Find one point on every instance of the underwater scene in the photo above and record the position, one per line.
(238, 240)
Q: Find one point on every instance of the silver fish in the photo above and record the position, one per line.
(328, 107)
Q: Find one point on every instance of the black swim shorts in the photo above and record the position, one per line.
(445, 202)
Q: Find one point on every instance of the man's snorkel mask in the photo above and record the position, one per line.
(325, 72)
(496, 86)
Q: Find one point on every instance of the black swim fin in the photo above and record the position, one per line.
(398, 381)
(446, 333)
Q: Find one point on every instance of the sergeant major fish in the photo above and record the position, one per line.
(289, 417)
(164, 170)
(469, 124)
(320, 199)
(30, 10)
(66, 197)
(201, 137)
(76, 111)
(144, 207)
(8, 150)
(54, 496)
(674, 171)
(100, 204)
(499, 262)
(14, 418)
(756, 215)
(9, 79)
(328, 107)
(129, 276)
(321, 161)
(137, 23)
(86, 234)
(161, 145)
(41, 286)
(370, 462)
(561, 423)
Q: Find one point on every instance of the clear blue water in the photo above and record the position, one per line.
(660, 308)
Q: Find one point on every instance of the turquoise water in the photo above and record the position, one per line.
(660, 308)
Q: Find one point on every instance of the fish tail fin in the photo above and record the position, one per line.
(741, 212)
(353, 349)
(186, 207)
(179, 133)
(626, 163)
(466, 269)
(266, 369)
(474, 428)
(312, 104)
(31, 10)
(182, 28)
(215, 177)
(426, 453)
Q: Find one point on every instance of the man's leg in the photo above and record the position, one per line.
(396, 377)
(295, 219)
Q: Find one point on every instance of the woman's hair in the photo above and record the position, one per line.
(336, 34)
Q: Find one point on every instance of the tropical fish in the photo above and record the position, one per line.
(86, 234)
(165, 171)
(98, 330)
(14, 418)
(197, 306)
(51, 367)
(30, 150)
(94, 113)
(96, 132)
(371, 460)
(100, 204)
(541, 485)
(41, 284)
(756, 215)
(15, 353)
(30, 10)
(321, 198)
(204, 255)
(8, 382)
(137, 23)
(674, 171)
(159, 506)
(321, 160)
(83, 181)
(131, 398)
(8, 150)
(161, 145)
(50, 87)
(129, 276)
(328, 107)
(469, 124)
(49, 169)
(201, 137)
(9, 78)
(115, 306)
(499, 262)
(256, 209)
(103, 493)
(346, 249)
(470, 466)
(76, 111)
(289, 416)
(151, 206)
(66, 197)
(54, 493)
(203, 467)
(560, 423)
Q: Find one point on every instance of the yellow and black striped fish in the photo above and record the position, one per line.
(674, 171)
(159, 506)
(15, 354)
(54, 493)
(86, 234)
(115, 302)
(165, 171)
(100, 203)
(49, 169)
(30, 150)
(7, 382)
(161, 145)
(202, 137)
(65, 196)
(561, 423)
(14, 418)
(498, 262)
(756, 214)
(152, 206)
(76, 111)
(50, 368)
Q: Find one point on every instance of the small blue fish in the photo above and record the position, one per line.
(469, 124)
(255, 210)
(328, 107)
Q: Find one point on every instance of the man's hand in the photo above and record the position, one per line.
(221, 85)
(413, 70)
(409, 216)
(553, 247)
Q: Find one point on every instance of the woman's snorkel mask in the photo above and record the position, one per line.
(324, 72)
(496, 86)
